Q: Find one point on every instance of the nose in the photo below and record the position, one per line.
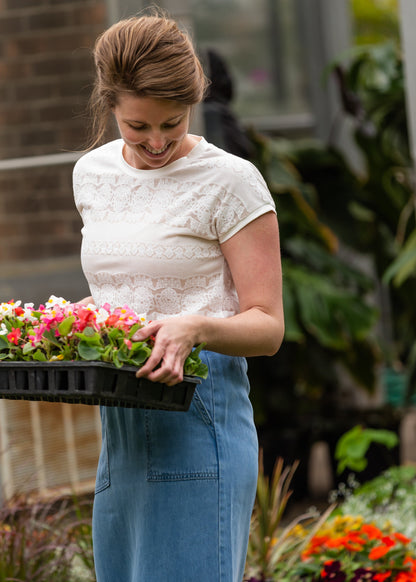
(156, 140)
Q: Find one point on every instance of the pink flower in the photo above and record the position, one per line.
(37, 335)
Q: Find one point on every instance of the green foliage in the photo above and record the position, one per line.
(404, 265)
(371, 84)
(375, 20)
(329, 319)
(353, 446)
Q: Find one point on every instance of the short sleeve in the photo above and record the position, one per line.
(245, 198)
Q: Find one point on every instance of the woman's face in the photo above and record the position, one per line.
(155, 131)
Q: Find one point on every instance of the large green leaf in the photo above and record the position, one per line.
(336, 317)
(405, 264)
(293, 331)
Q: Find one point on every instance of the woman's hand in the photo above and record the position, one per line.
(174, 339)
(86, 301)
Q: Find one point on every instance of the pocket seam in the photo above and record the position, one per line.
(104, 476)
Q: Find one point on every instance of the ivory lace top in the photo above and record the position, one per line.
(151, 238)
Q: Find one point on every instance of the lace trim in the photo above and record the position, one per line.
(156, 251)
(165, 297)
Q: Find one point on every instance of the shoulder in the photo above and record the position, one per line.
(99, 158)
(232, 169)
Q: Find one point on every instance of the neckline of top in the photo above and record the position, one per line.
(164, 169)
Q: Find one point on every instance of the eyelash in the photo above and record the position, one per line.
(166, 126)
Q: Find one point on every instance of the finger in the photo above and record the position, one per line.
(146, 331)
(168, 370)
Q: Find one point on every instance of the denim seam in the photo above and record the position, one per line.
(191, 476)
(104, 483)
(199, 404)
(220, 479)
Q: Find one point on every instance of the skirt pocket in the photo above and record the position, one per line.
(182, 445)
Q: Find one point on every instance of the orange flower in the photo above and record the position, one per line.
(372, 532)
(401, 538)
(382, 576)
(378, 552)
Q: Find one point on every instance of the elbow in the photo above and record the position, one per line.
(276, 340)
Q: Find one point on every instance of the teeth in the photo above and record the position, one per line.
(152, 151)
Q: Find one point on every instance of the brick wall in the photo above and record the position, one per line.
(45, 80)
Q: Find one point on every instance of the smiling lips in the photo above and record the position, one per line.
(154, 152)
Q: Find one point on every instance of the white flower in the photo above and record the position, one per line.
(59, 301)
(3, 329)
(101, 315)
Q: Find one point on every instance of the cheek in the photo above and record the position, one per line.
(180, 134)
(130, 136)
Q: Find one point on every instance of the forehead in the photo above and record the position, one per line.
(147, 109)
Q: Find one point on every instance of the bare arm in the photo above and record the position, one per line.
(253, 256)
(85, 301)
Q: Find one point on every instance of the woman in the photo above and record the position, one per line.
(178, 229)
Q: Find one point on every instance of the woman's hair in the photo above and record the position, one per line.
(148, 56)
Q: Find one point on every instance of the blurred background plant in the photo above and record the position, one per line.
(275, 546)
(375, 20)
(349, 252)
(362, 533)
(45, 542)
(386, 500)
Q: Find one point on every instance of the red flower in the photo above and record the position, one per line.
(112, 320)
(14, 335)
(85, 317)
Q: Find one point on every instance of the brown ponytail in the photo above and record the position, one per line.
(148, 56)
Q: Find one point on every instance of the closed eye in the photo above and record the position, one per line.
(171, 125)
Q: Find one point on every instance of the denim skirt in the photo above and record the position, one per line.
(175, 490)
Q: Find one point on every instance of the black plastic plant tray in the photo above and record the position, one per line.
(91, 383)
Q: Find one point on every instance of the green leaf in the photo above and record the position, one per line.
(51, 337)
(39, 356)
(404, 265)
(352, 447)
(4, 343)
(90, 336)
(139, 353)
(193, 365)
(293, 331)
(66, 325)
(88, 352)
(335, 316)
(27, 348)
(89, 331)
